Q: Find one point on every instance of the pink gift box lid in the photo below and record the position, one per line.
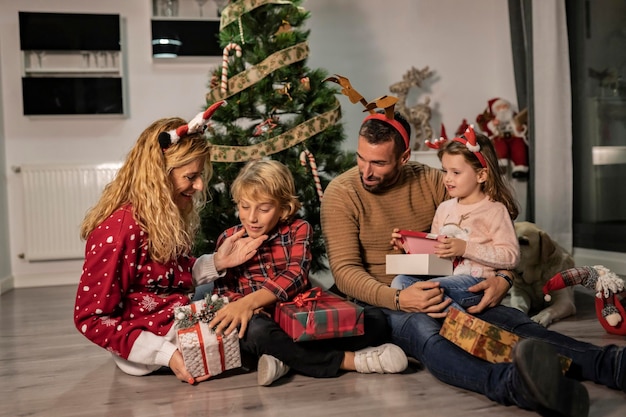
(419, 242)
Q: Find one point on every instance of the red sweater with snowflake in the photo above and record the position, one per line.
(125, 301)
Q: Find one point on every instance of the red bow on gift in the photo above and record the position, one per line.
(308, 296)
(309, 299)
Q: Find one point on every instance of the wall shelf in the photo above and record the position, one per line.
(71, 64)
(180, 30)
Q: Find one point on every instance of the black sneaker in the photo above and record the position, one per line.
(543, 385)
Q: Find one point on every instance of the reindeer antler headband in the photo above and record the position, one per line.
(197, 124)
(387, 103)
(468, 139)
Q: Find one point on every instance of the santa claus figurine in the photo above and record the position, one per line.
(507, 129)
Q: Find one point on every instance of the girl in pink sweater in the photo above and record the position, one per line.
(477, 221)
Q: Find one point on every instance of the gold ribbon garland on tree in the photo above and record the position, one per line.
(249, 77)
(237, 9)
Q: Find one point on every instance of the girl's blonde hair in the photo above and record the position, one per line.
(494, 186)
(267, 179)
(144, 183)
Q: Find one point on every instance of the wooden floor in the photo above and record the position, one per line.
(48, 369)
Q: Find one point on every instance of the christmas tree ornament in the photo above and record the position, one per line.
(225, 55)
(283, 89)
(214, 83)
(305, 82)
(265, 127)
(606, 284)
(243, 41)
(316, 177)
(283, 28)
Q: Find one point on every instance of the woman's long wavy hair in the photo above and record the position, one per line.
(144, 182)
(496, 187)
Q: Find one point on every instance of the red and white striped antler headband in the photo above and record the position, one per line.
(387, 103)
(197, 124)
(468, 139)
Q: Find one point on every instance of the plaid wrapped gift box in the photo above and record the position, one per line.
(483, 339)
(204, 351)
(317, 314)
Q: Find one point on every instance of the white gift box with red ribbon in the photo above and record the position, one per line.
(207, 353)
(204, 351)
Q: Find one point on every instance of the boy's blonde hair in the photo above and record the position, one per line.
(267, 179)
(144, 182)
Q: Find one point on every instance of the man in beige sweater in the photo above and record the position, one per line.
(385, 191)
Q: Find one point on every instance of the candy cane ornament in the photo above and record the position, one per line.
(227, 49)
(316, 178)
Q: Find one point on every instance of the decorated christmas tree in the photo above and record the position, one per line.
(276, 108)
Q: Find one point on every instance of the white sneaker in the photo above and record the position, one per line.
(269, 369)
(383, 359)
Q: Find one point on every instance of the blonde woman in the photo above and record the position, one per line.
(139, 236)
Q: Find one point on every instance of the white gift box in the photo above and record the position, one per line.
(418, 264)
(205, 352)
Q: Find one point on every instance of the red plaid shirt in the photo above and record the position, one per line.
(281, 265)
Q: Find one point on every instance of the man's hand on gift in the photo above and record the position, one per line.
(424, 297)
(495, 289)
(177, 365)
(236, 250)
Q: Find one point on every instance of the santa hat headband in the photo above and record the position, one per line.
(197, 124)
(387, 103)
(469, 140)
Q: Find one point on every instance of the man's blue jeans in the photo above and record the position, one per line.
(418, 335)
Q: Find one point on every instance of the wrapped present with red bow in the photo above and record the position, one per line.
(205, 352)
(318, 314)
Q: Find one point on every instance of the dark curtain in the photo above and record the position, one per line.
(520, 21)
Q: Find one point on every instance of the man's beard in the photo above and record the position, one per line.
(381, 186)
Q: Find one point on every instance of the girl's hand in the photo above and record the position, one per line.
(396, 240)
(449, 247)
(236, 250)
(177, 365)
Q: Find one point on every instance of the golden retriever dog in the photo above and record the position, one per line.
(540, 259)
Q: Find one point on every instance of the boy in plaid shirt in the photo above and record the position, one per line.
(264, 192)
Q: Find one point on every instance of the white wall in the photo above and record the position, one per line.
(466, 43)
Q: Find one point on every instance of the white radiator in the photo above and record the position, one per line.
(56, 198)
